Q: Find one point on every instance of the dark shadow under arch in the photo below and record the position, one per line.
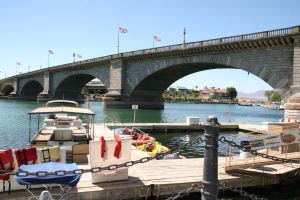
(70, 88)
(31, 89)
(7, 89)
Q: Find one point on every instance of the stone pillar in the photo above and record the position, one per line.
(115, 81)
(46, 82)
(44, 95)
(16, 88)
(295, 88)
(292, 108)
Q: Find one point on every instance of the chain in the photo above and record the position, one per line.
(78, 171)
(241, 192)
(255, 153)
(185, 192)
(98, 169)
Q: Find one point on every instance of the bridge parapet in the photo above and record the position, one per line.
(290, 31)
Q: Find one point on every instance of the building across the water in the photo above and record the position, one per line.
(212, 93)
(95, 87)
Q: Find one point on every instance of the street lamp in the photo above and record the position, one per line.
(3, 72)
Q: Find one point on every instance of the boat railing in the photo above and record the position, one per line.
(109, 119)
(138, 130)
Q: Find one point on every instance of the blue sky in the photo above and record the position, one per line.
(89, 27)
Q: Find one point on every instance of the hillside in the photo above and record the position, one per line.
(254, 95)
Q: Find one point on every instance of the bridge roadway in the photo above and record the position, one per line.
(140, 77)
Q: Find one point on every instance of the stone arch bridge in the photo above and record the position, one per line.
(140, 77)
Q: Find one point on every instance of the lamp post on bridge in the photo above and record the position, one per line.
(3, 72)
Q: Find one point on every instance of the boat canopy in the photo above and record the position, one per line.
(62, 102)
(53, 110)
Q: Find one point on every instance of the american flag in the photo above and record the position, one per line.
(122, 30)
(78, 55)
(51, 52)
(18, 63)
(157, 39)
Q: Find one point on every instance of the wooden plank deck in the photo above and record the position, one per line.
(164, 177)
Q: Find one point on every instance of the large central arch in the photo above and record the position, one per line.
(152, 87)
(70, 88)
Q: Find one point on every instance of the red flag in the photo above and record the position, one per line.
(78, 55)
(122, 30)
(157, 39)
(18, 63)
(51, 52)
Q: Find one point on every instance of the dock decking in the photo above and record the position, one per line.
(166, 177)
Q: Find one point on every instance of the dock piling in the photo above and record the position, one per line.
(210, 170)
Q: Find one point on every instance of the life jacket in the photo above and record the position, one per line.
(288, 120)
(118, 146)
(49, 154)
(6, 163)
(126, 131)
(26, 156)
(102, 147)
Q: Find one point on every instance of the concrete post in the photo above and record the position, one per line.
(115, 81)
(295, 88)
(210, 170)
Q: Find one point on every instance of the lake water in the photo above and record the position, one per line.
(14, 123)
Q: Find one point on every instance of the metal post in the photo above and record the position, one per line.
(210, 171)
(29, 131)
(134, 110)
(118, 40)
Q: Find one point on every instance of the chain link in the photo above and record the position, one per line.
(185, 192)
(256, 153)
(241, 192)
(99, 169)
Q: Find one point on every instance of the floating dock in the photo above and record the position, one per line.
(159, 178)
(166, 178)
(170, 127)
(184, 127)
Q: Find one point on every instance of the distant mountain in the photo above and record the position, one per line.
(254, 95)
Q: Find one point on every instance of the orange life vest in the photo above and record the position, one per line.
(26, 156)
(118, 146)
(102, 147)
(6, 163)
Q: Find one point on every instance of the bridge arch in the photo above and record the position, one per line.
(162, 72)
(152, 86)
(7, 89)
(71, 86)
(31, 89)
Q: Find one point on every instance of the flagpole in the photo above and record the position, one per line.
(118, 39)
(153, 42)
(184, 37)
(48, 59)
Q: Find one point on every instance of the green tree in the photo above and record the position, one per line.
(275, 97)
(231, 92)
(268, 94)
